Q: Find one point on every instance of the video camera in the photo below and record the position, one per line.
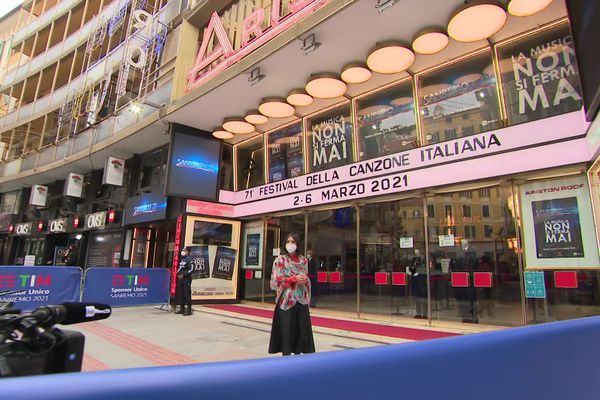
(30, 344)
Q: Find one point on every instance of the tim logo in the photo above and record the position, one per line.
(24, 281)
(183, 163)
(76, 178)
(145, 209)
(116, 164)
(129, 280)
(41, 189)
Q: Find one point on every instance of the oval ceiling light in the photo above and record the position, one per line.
(402, 101)
(326, 86)
(356, 73)
(430, 42)
(276, 107)
(476, 20)
(256, 118)
(221, 134)
(468, 78)
(238, 126)
(524, 8)
(390, 58)
(299, 98)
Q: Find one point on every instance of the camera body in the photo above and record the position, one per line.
(65, 356)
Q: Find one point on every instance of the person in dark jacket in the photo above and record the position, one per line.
(184, 283)
(71, 256)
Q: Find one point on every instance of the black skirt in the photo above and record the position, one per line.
(291, 331)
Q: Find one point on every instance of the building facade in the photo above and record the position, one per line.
(435, 167)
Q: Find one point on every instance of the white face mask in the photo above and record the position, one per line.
(291, 247)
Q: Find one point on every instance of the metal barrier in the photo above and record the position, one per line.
(550, 361)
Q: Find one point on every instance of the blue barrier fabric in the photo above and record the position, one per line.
(126, 286)
(32, 287)
(551, 361)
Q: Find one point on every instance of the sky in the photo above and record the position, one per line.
(8, 5)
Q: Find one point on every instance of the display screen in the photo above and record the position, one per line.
(583, 14)
(193, 165)
(145, 208)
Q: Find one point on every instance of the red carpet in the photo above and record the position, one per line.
(362, 327)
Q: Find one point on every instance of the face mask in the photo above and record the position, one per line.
(291, 247)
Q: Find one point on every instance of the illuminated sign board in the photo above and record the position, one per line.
(212, 60)
(146, 208)
(193, 164)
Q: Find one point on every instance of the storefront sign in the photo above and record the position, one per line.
(426, 167)
(23, 229)
(330, 139)
(57, 225)
(74, 185)
(558, 225)
(406, 243)
(114, 170)
(446, 240)
(126, 287)
(38, 195)
(96, 220)
(38, 286)
(145, 208)
(222, 54)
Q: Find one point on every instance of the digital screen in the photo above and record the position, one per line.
(584, 16)
(145, 208)
(193, 165)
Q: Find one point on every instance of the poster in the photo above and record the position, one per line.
(114, 170)
(540, 76)
(285, 153)
(252, 249)
(38, 195)
(330, 139)
(199, 261)
(224, 263)
(74, 185)
(558, 226)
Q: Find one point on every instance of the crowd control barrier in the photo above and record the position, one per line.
(126, 286)
(550, 361)
(32, 287)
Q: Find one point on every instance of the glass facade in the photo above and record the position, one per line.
(250, 163)
(286, 155)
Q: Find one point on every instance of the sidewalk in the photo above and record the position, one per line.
(148, 336)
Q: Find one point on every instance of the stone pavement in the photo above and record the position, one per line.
(149, 336)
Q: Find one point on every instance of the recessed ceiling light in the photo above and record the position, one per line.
(238, 126)
(430, 42)
(276, 107)
(356, 73)
(326, 86)
(524, 8)
(476, 20)
(221, 134)
(401, 101)
(390, 58)
(299, 98)
(256, 118)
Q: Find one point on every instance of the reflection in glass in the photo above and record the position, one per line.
(539, 76)
(459, 100)
(286, 159)
(250, 163)
(473, 262)
(386, 122)
(329, 137)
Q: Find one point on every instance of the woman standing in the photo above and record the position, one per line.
(291, 331)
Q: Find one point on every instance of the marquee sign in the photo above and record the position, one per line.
(210, 62)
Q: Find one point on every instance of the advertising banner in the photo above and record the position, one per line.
(145, 208)
(126, 287)
(285, 153)
(38, 195)
(74, 185)
(23, 229)
(32, 287)
(199, 261)
(252, 249)
(114, 170)
(558, 224)
(330, 139)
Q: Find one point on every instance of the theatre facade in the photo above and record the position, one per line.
(442, 174)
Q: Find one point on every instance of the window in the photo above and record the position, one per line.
(487, 231)
(469, 231)
(448, 210)
(286, 159)
(434, 137)
(417, 213)
(484, 192)
(525, 62)
(250, 161)
(485, 211)
(430, 210)
(467, 194)
(466, 211)
(387, 122)
(460, 95)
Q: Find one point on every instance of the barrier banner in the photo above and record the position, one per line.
(32, 287)
(126, 286)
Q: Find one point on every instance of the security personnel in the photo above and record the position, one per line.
(184, 282)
